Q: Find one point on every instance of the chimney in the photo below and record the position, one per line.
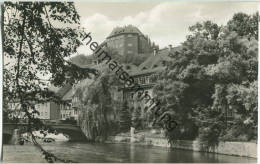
(170, 48)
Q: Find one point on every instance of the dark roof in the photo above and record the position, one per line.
(123, 30)
(63, 90)
(156, 60)
(130, 68)
(68, 95)
(148, 71)
(155, 63)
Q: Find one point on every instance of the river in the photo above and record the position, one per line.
(97, 153)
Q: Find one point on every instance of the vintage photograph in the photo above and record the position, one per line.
(114, 81)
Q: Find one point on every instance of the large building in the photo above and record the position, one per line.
(146, 76)
(48, 110)
(129, 40)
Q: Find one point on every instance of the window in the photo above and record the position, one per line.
(142, 80)
(129, 35)
(129, 52)
(129, 44)
(153, 78)
(147, 80)
(136, 80)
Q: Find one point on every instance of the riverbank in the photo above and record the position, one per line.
(22, 154)
(243, 149)
(114, 153)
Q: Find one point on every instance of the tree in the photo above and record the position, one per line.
(213, 73)
(37, 37)
(98, 104)
(124, 117)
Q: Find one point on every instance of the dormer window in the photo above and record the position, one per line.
(144, 68)
(155, 66)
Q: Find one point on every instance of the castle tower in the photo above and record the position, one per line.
(128, 40)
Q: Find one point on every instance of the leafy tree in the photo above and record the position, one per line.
(244, 25)
(135, 59)
(213, 73)
(37, 37)
(98, 104)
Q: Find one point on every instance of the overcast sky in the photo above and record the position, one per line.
(165, 22)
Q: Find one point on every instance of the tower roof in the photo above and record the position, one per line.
(125, 30)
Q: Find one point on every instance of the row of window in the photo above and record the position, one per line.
(43, 113)
(75, 99)
(146, 79)
(119, 37)
(69, 114)
(65, 107)
(42, 105)
(75, 112)
(65, 115)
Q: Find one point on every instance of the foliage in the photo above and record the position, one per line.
(98, 104)
(213, 74)
(135, 59)
(37, 37)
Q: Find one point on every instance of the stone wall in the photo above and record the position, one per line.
(246, 149)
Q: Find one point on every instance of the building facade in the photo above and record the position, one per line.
(67, 110)
(146, 76)
(129, 40)
(48, 110)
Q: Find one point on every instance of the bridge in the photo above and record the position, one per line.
(73, 131)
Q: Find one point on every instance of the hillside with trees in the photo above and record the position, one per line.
(211, 82)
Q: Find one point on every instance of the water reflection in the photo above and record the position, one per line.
(117, 153)
(85, 152)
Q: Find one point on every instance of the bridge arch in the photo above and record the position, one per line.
(73, 131)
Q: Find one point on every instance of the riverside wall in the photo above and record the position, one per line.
(245, 149)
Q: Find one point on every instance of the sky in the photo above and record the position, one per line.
(164, 22)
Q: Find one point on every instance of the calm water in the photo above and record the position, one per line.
(94, 153)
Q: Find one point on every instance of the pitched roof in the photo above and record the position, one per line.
(68, 95)
(155, 61)
(125, 29)
(63, 90)
(130, 68)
